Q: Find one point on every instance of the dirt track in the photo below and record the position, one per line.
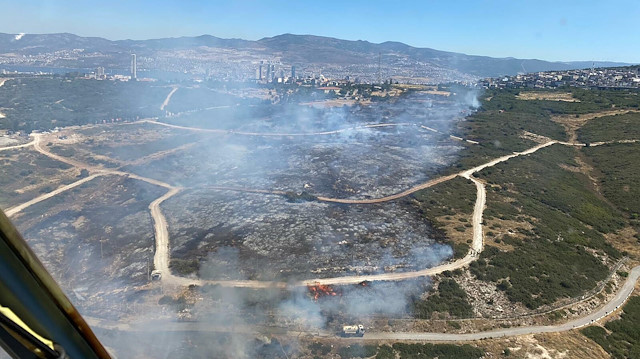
(17, 146)
(162, 254)
(392, 197)
(166, 100)
(13, 210)
(161, 257)
(275, 134)
(166, 326)
(476, 247)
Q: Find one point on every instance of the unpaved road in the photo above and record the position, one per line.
(162, 253)
(13, 210)
(161, 256)
(476, 247)
(17, 146)
(392, 197)
(298, 134)
(166, 100)
(275, 134)
(207, 326)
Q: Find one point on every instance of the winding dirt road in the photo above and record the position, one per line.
(476, 247)
(162, 253)
(274, 134)
(166, 100)
(161, 256)
(392, 197)
(17, 146)
(160, 326)
(13, 210)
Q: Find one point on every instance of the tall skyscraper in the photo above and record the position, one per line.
(134, 70)
(260, 71)
(293, 72)
(268, 73)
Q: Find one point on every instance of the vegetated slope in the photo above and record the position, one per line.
(619, 165)
(45, 103)
(620, 337)
(409, 351)
(611, 128)
(448, 298)
(554, 258)
(551, 243)
(439, 204)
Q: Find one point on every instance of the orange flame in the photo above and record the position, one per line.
(321, 290)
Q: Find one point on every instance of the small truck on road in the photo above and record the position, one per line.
(353, 330)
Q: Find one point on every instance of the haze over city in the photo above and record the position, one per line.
(549, 30)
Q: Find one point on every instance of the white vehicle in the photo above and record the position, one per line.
(156, 275)
(353, 330)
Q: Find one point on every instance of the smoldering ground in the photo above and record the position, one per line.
(255, 323)
(280, 239)
(243, 312)
(248, 236)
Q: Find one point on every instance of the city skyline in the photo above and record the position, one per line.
(565, 31)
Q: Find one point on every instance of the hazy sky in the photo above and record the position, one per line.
(549, 30)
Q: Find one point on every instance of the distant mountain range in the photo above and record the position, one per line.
(315, 52)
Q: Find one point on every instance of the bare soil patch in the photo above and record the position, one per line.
(547, 96)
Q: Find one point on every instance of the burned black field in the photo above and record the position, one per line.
(231, 235)
(246, 203)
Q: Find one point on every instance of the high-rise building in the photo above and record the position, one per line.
(134, 70)
(100, 73)
(268, 73)
(260, 70)
(293, 72)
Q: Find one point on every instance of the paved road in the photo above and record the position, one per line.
(622, 295)
(147, 326)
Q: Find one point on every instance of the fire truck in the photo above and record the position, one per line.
(353, 330)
